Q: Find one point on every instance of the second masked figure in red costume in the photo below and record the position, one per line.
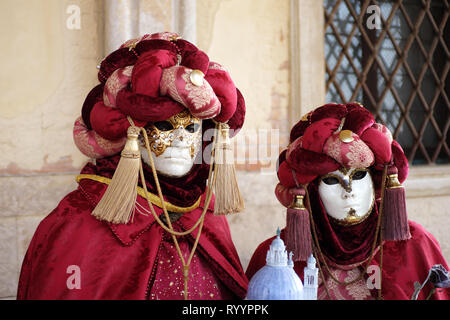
(340, 178)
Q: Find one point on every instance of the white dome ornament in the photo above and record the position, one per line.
(277, 280)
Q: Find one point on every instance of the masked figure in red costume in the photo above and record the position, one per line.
(340, 178)
(145, 229)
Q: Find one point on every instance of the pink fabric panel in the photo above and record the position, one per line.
(201, 101)
(118, 80)
(355, 154)
(93, 145)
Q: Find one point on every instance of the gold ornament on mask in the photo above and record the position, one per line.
(160, 140)
(351, 218)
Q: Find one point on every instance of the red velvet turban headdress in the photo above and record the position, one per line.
(150, 79)
(325, 139)
(334, 136)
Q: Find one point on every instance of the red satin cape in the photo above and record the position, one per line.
(115, 261)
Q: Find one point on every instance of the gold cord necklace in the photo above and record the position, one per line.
(169, 229)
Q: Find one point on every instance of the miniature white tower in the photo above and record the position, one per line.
(310, 279)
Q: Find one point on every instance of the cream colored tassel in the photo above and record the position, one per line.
(118, 203)
(228, 198)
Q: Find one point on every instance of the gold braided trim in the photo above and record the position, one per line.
(153, 198)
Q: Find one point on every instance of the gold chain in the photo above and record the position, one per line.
(170, 230)
(158, 188)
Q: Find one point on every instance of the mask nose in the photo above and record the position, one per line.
(347, 190)
(179, 138)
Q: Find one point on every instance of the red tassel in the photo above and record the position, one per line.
(298, 231)
(395, 217)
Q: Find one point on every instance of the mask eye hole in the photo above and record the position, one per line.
(193, 127)
(359, 175)
(163, 125)
(330, 180)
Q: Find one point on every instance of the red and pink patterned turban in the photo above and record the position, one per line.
(334, 136)
(150, 79)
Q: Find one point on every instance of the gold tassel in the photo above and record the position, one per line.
(118, 203)
(228, 198)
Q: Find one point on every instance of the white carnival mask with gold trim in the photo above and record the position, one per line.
(348, 195)
(174, 144)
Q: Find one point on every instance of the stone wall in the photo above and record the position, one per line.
(273, 51)
(48, 69)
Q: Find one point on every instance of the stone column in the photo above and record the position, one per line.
(127, 19)
(121, 22)
(307, 57)
(185, 19)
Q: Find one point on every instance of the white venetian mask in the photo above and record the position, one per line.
(174, 143)
(348, 195)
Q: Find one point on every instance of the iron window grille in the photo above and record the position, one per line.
(398, 69)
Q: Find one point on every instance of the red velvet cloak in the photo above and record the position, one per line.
(404, 262)
(115, 261)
